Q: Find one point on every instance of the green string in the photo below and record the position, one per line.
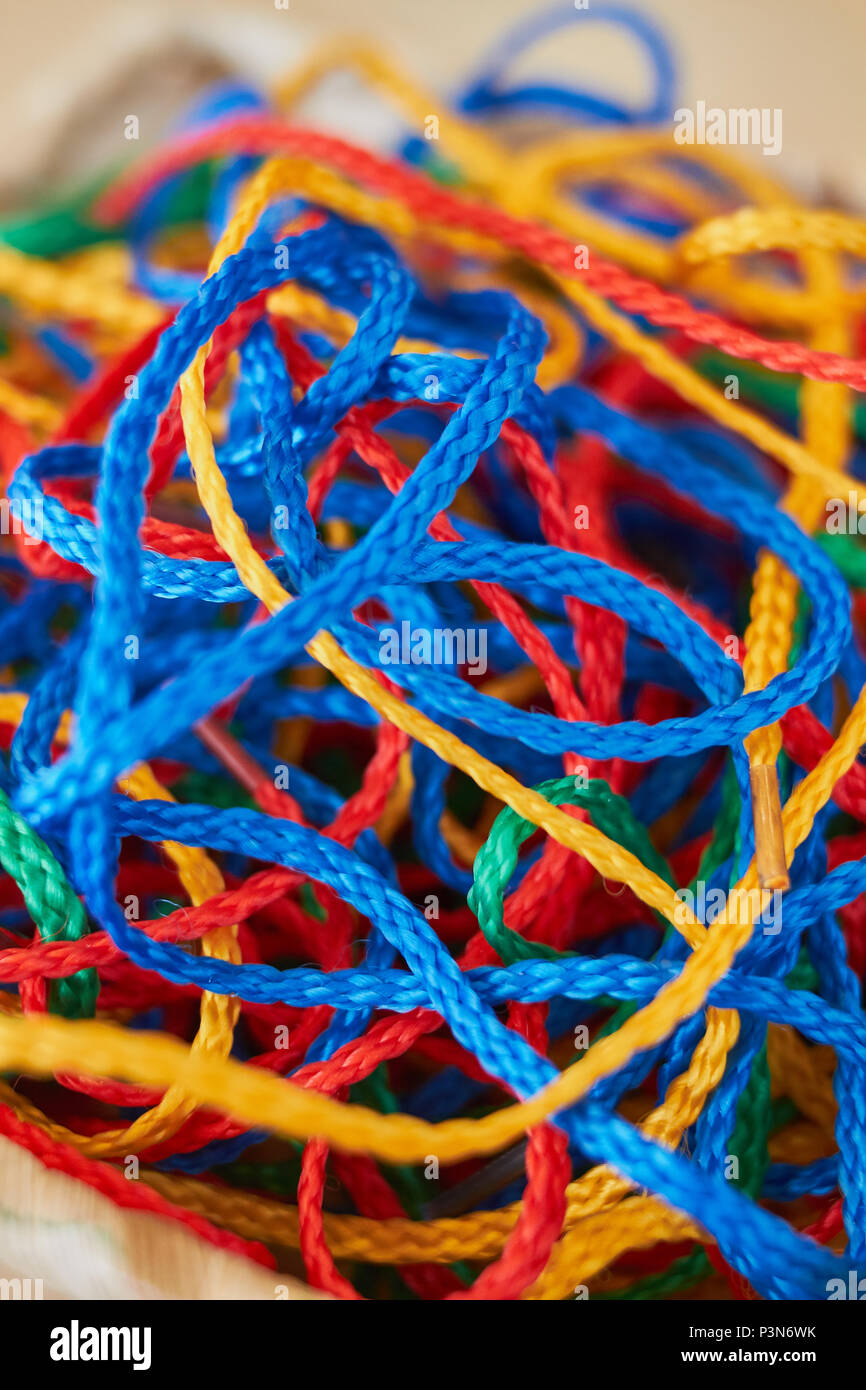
(280, 1178)
(749, 1146)
(494, 865)
(775, 391)
(66, 225)
(781, 393)
(497, 859)
(212, 789)
(847, 554)
(52, 905)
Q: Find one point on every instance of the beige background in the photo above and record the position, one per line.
(63, 63)
(81, 1245)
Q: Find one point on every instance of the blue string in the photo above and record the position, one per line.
(128, 709)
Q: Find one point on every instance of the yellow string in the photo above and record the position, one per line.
(201, 879)
(594, 1234)
(56, 291)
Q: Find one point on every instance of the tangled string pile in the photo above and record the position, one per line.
(412, 560)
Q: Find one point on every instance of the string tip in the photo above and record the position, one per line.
(770, 859)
